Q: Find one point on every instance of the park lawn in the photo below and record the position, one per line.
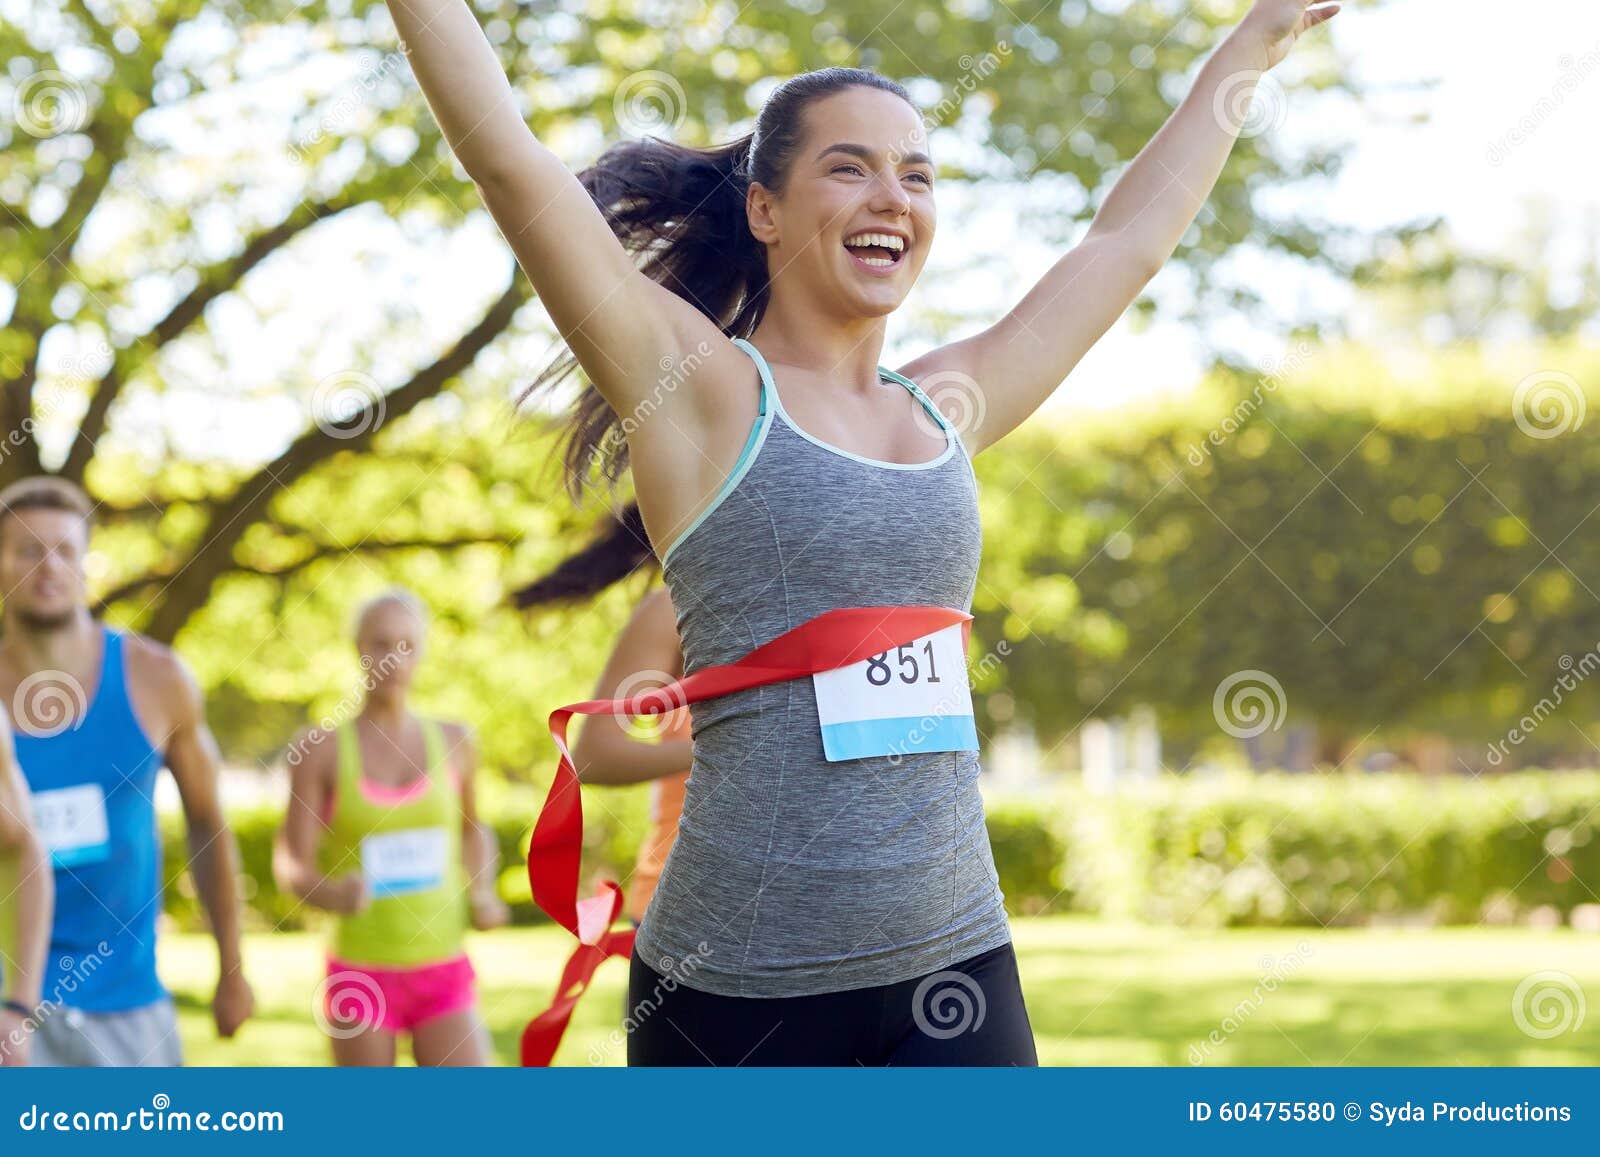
(1098, 994)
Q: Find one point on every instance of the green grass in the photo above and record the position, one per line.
(1098, 994)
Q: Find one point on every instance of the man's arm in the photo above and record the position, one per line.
(194, 761)
(27, 889)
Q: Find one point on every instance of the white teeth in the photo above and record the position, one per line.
(887, 240)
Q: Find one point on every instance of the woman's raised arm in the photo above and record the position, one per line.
(1018, 362)
(619, 323)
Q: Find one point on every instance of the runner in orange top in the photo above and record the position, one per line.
(666, 806)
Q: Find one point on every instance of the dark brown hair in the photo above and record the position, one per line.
(620, 548)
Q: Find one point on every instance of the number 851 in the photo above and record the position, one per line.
(880, 673)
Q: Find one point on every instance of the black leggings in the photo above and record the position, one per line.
(970, 1014)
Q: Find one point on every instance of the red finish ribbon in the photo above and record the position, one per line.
(833, 639)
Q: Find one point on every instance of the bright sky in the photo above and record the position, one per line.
(1492, 67)
(1492, 70)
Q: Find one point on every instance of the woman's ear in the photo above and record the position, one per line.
(761, 210)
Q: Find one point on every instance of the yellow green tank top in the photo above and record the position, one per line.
(407, 842)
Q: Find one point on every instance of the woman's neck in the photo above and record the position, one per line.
(799, 333)
(386, 712)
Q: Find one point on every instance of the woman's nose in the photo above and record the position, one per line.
(888, 194)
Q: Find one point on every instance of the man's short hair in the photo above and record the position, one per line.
(44, 492)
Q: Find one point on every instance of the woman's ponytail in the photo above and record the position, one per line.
(620, 548)
(680, 212)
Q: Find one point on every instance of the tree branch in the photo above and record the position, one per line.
(192, 584)
(110, 131)
(215, 280)
(320, 551)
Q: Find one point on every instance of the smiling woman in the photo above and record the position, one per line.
(832, 881)
(829, 202)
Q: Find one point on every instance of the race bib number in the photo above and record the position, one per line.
(397, 863)
(71, 822)
(913, 698)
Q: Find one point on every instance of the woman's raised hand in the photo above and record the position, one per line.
(1279, 23)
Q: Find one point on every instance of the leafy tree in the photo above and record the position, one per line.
(182, 180)
(1398, 539)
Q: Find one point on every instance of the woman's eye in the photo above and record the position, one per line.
(856, 170)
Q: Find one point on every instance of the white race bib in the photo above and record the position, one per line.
(71, 822)
(913, 698)
(413, 860)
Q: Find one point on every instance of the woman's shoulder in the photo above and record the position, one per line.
(460, 742)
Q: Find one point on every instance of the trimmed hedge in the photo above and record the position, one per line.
(1235, 850)
(1338, 849)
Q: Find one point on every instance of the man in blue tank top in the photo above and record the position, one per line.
(97, 713)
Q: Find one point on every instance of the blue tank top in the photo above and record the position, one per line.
(97, 780)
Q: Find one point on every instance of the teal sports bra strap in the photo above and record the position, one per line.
(765, 371)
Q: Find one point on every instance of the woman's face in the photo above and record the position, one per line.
(862, 168)
(389, 641)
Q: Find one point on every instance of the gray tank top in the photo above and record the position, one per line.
(792, 875)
